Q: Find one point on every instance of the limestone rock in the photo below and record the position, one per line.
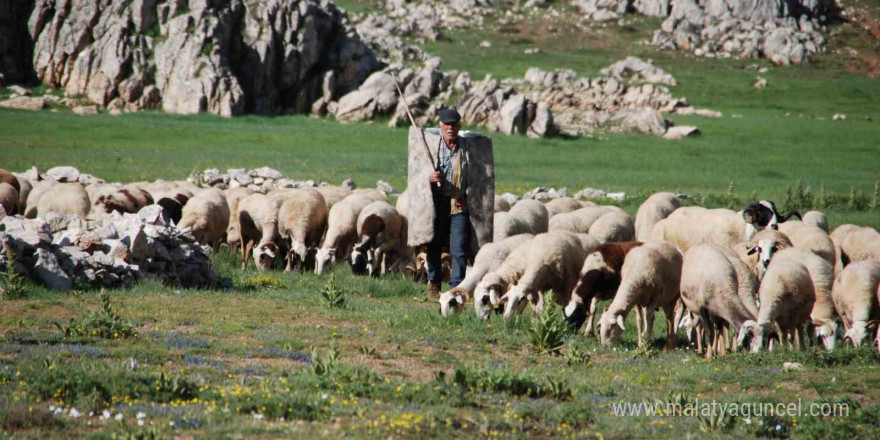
(683, 131)
(48, 270)
(85, 110)
(24, 103)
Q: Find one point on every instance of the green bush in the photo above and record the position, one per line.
(548, 329)
(103, 323)
(12, 283)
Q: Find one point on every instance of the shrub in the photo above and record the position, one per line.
(548, 329)
(257, 282)
(103, 323)
(12, 283)
(332, 294)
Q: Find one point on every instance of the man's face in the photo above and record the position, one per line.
(450, 132)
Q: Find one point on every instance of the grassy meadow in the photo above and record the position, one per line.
(289, 355)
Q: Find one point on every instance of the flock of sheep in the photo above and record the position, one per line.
(711, 271)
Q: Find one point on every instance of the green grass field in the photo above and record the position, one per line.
(271, 359)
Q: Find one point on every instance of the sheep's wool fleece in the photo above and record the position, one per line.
(480, 188)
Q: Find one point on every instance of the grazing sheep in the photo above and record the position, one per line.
(649, 279)
(855, 299)
(333, 194)
(810, 238)
(25, 187)
(64, 198)
(562, 205)
(786, 299)
(234, 196)
(8, 198)
(8, 177)
(501, 204)
(341, 231)
(817, 219)
(656, 208)
(579, 221)
(599, 279)
(302, 220)
(206, 216)
(496, 282)
(258, 226)
(613, 226)
(374, 194)
(172, 208)
(378, 229)
(689, 226)
(862, 244)
(141, 196)
(489, 258)
(553, 263)
(710, 291)
(109, 198)
(758, 252)
(506, 225)
(763, 214)
(33, 199)
(406, 258)
(837, 236)
(534, 213)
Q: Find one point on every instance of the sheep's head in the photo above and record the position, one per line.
(324, 259)
(374, 262)
(296, 257)
(575, 312)
(264, 255)
(611, 328)
(752, 335)
(765, 249)
(358, 260)
(515, 300)
(452, 302)
(859, 330)
(826, 333)
(486, 299)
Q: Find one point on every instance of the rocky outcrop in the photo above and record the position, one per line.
(226, 57)
(16, 47)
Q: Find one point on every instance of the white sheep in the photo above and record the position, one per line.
(561, 205)
(374, 194)
(489, 258)
(501, 204)
(506, 225)
(206, 217)
(837, 236)
(579, 221)
(341, 231)
(613, 226)
(8, 198)
(855, 299)
(598, 280)
(862, 244)
(378, 229)
(710, 291)
(822, 275)
(817, 219)
(496, 282)
(553, 263)
(302, 220)
(693, 225)
(258, 226)
(786, 299)
(533, 213)
(406, 257)
(36, 193)
(758, 252)
(64, 198)
(656, 208)
(234, 196)
(649, 279)
(333, 194)
(810, 238)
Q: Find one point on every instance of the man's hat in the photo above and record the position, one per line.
(449, 116)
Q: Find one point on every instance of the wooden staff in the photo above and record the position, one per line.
(412, 120)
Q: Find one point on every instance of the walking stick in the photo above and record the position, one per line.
(413, 122)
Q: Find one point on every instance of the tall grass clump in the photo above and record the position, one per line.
(548, 330)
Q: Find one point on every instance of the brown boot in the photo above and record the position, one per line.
(433, 290)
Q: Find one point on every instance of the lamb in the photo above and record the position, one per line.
(562, 205)
(302, 220)
(333, 194)
(599, 279)
(341, 231)
(855, 299)
(553, 263)
(613, 226)
(496, 282)
(817, 219)
(374, 194)
(378, 229)
(710, 290)
(33, 199)
(258, 223)
(206, 216)
(8, 198)
(489, 258)
(689, 226)
(25, 187)
(837, 236)
(64, 198)
(786, 298)
(534, 213)
(506, 225)
(862, 244)
(810, 238)
(579, 221)
(656, 208)
(501, 204)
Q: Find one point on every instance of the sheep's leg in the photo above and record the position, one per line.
(670, 314)
(638, 312)
(708, 332)
(648, 336)
(246, 249)
(680, 310)
(722, 339)
(589, 331)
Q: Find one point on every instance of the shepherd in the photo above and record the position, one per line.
(452, 203)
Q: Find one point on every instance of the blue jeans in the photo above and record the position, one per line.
(453, 230)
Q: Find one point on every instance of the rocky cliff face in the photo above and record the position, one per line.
(16, 47)
(226, 57)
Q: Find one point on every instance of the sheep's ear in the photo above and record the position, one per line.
(753, 250)
(620, 322)
(503, 299)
